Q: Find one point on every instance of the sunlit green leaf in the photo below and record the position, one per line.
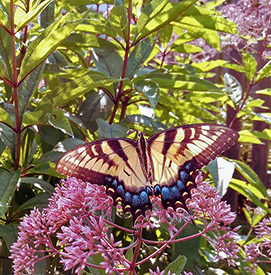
(247, 136)
(32, 118)
(5, 117)
(118, 19)
(30, 15)
(160, 17)
(264, 72)
(250, 192)
(48, 41)
(250, 66)
(250, 176)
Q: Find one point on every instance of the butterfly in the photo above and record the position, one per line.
(135, 170)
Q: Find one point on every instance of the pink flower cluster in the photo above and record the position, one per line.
(78, 217)
(259, 251)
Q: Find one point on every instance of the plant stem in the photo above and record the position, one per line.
(15, 89)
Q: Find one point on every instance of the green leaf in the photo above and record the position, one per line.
(249, 137)
(264, 72)
(165, 34)
(40, 201)
(250, 66)
(59, 121)
(97, 105)
(250, 192)
(264, 92)
(107, 130)
(222, 172)
(32, 118)
(4, 14)
(233, 89)
(182, 82)
(150, 89)
(177, 265)
(9, 233)
(5, 117)
(5, 54)
(155, 19)
(29, 16)
(108, 62)
(9, 181)
(48, 41)
(119, 21)
(69, 91)
(46, 186)
(138, 56)
(250, 176)
(28, 87)
(7, 135)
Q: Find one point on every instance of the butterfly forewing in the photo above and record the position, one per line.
(177, 152)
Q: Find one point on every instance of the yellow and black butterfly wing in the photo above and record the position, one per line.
(115, 163)
(177, 152)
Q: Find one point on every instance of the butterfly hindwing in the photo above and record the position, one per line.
(114, 163)
(177, 152)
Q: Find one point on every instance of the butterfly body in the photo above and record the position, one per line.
(133, 171)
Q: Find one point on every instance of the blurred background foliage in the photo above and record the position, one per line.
(75, 71)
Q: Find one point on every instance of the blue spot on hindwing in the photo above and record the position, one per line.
(166, 194)
(135, 201)
(180, 186)
(184, 176)
(157, 190)
(120, 191)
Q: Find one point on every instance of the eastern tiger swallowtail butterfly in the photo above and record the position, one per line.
(161, 165)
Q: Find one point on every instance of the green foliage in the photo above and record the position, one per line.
(77, 75)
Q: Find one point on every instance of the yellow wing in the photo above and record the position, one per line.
(177, 152)
(115, 163)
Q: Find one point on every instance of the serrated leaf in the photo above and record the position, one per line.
(29, 16)
(250, 66)
(5, 54)
(107, 130)
(9, 181)
(108, 62)
(150, 89)
(138, 56)
(221, 171)
(250, 176)
(233, 89)
(4, 14)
